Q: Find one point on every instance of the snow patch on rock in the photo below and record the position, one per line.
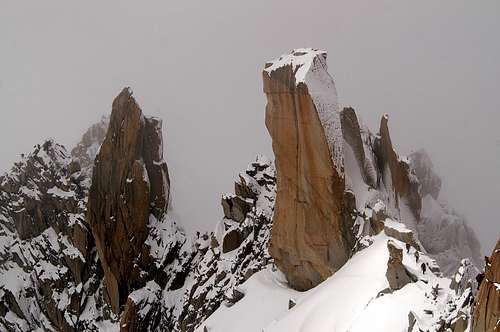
(310, 68)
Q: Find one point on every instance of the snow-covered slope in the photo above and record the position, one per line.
(356, 298)
(266, 297)
(50, 277)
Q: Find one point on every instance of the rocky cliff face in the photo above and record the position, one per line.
(310, 239)
(487, 306)
(130, 190)
(334, 174)
(49, 271)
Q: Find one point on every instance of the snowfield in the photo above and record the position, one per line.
(266, 297)
(353, 299)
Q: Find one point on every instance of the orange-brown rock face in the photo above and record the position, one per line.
(402, 184)
(487, 308)
(309, 239)
(129, 183)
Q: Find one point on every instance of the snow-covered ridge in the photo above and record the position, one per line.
(357, 298)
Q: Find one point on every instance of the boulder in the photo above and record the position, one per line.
(310, 240)
(232, 240)
(236, 207)
(377, 218)
(401, 233)
(396, 274)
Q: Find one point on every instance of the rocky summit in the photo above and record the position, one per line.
(130, 190)
(339, 233)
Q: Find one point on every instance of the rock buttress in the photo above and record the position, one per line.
(310, 240)
(130, 185)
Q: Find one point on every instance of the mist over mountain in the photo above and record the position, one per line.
(432, 66)
(182, 168)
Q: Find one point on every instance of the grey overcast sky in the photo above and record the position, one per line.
(434, 66)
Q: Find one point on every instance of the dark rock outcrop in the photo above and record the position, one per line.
(232, 240)
(130, 185)
(215, 279)
(309, 239)
(132, 319)
(396, 274)
(45, 243)
(236, 207)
